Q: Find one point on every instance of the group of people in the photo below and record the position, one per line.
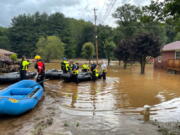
(74, 67)
(39, 66)
(66, 67)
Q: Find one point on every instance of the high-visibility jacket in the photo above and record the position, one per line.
(75, 71)
(96, 72)
(24, 65)
(85, 66)
(66, 64)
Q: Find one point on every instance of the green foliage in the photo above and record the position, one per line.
(173, 6)
(13, 57)
(159, 18)
(128, 18)
(50, 47)
(177, 38)
(88, 50)
(124, 52)
(109, 47)
(104, 33)
(4, 40)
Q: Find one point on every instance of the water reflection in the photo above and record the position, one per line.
(124, 91)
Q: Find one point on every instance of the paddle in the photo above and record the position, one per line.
(39, 82)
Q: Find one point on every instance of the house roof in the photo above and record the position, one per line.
(4, 58)
(5, 52)
(172, 46)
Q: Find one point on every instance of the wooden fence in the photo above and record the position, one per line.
(173, 64)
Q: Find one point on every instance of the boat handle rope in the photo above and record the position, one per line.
(18, 99)
(29, 96)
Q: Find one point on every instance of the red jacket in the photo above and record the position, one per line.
(40, 66)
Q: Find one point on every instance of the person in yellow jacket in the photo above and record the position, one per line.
(23, 68)
(85, 68)
(75, 73)
(65, 65)
(95, 74)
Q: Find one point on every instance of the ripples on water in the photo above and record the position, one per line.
(124, 91)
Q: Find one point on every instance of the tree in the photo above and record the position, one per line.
(172, 10)
(4, 40)
(109, 47)
(173, 6)
(88, 51)
(13, 57)
(177, 38)
(50, 47)
(128, 18)
(104, 33)
(124, 51)
(145, 45)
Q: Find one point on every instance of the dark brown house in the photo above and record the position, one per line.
(170, 57)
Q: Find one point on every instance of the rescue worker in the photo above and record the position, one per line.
(75, 72)
(40, 66)
(85, 68)
(104, 70)
(71, 66)
(77, 64)
(23, 68)
(65, 65)
(93, 66)
(95, 74)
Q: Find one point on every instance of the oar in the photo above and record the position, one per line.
(39, 82)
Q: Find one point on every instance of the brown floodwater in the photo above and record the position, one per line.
(125, 92)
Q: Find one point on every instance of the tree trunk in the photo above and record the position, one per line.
(143, 63)
(119, 63)
(109, 60)
(125, 64)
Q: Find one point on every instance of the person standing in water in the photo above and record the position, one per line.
(104, 70)
(40, 66)
(23, 68)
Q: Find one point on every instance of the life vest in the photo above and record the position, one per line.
(85, 66)
(40, 67)
(24, 65)
(75, 71)
(96, 73)
(66, 65)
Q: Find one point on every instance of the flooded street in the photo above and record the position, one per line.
(101, 107)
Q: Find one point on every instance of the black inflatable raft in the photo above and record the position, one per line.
(14, 77)
(83, 76)
(53, 74)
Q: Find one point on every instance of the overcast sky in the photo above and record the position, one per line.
(79, 9)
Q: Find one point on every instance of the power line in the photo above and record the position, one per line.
(101, 10)
(108, 10)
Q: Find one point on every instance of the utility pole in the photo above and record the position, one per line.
(96, 37)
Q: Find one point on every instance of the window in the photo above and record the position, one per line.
(177, 55)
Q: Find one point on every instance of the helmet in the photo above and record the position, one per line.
(64, 58)
(37, 57)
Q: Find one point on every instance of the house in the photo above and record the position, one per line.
(6, 64)
(170, 57)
